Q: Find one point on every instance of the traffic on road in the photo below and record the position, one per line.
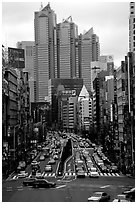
(87, 161)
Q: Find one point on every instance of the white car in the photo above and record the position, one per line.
(39, 175)
(93, 174)
(33, 163)
(99, 197)
(42, 158)
(22, 174)
(120, 198)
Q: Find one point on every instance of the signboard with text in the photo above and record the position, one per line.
(16, 58)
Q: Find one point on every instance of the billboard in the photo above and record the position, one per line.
(16, 58)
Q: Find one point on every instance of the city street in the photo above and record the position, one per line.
(73, 191)
(69, 188)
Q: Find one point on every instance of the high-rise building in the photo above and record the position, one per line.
(90, 51)
(28, 47)
(45, 56)
(132, 27)
(67, 33)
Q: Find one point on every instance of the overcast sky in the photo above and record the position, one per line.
(108, 19)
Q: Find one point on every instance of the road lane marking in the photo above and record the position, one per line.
(60, 186)
(105, 186)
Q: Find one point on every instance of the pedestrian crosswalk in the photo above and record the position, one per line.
(100, 174)
(72, 174)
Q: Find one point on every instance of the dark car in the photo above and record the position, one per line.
(130, 193)
(42, 183)
(28, 181)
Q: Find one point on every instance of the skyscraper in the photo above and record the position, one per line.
(132, 27)
(45, 56)
(67, 33)
(90, 51)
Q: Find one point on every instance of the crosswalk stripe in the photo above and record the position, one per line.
(109, 174)
(50, 174)
(45, 174)
(53, 174)
(105, 174)
(86, 174)
(117, 174)
(113, 174)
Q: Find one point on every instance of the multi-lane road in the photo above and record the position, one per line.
(68, 188)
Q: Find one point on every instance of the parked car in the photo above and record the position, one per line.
(48, 168)
(28, 181)
(43, 183)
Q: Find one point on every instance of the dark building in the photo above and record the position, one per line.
(57, 85)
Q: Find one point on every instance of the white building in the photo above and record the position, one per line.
(85, 109)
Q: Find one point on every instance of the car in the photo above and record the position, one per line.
(114, 169)
(55, 156)
(80, 174)
(52, 161)
(28, 181)
(93, 174)
(39, 175)
(99, 197)
(130, 193)
(120, 198)
(48, 168)
(34, 163)
(22, 174)
(43, 183)
(42, 158)
(21, 166)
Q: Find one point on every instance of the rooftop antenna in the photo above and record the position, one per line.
(41, 6)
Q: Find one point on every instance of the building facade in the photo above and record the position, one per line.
(84, 110)
(132, 27)
(90, 51)
(28, 47)
(45, 55)
(67, 51)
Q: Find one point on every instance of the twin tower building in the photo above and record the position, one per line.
(59, 52)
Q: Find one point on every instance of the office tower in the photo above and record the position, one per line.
(45, 56)
(28, 47)
(67, 48)
(132, 27)
(90, 51)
